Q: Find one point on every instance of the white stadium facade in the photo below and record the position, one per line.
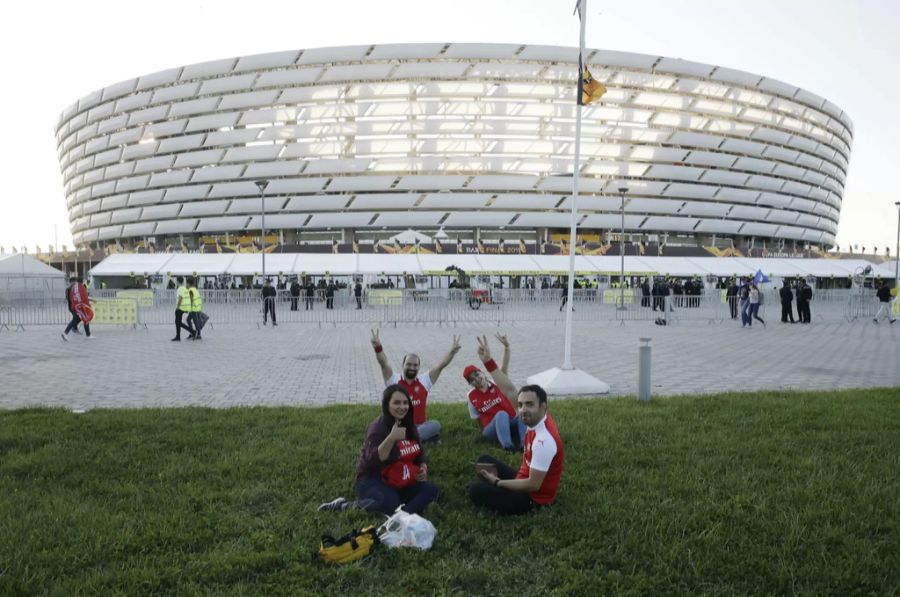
(463, 142)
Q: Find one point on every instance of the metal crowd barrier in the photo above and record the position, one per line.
(450, 306)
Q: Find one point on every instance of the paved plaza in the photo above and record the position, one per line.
(309, 365)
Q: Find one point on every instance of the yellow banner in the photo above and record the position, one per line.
(385, 297)
(611, 297)
(117, 311)
(144, 298)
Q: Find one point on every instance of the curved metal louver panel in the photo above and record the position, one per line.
(456, 135)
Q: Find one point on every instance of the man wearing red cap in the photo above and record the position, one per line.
(491, 407)
(501, 488)
(416, 385)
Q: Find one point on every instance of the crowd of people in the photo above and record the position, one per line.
(392, 469)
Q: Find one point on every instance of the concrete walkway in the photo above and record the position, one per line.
(308, 365)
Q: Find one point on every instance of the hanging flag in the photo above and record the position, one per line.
(589, 88)
(760, 278)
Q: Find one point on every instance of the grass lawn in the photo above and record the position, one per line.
(751, 493)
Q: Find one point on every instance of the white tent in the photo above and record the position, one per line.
(19, 272)
(408, 237)
(474, 264)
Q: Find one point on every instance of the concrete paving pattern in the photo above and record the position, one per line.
(308, 365)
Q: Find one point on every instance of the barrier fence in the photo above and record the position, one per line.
(450, 306)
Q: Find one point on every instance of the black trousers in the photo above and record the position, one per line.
(359, 302)
(803, 311)
(309, 303)
(499, 500)
(268, 307)
(294, 302)
(179, 325)
(733, 306)
(787, 312)
(74, 325)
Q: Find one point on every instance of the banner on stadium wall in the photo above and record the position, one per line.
(144, 298)
(117, 311)
(385, 297)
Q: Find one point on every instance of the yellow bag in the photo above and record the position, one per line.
(353, 546)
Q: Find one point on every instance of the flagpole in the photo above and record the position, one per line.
(568, 380)
(567, 355)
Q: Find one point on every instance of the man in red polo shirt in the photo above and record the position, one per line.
(500, 487)
(417, 385)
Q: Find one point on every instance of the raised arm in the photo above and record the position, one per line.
(386, 371)
(504, 363)
(499, 377)
(435, 371)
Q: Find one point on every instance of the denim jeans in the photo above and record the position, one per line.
(500, 429)
(376, 496)
(429, 430)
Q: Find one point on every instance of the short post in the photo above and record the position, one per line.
(644, 355)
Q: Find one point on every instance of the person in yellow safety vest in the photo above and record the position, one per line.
(182, 306)
(196, 306)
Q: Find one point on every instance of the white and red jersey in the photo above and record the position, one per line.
(418, 393)
(78, 295)
(488, 403)
(543, 452)
(402, 472)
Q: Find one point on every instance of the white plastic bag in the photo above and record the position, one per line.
(407, 530)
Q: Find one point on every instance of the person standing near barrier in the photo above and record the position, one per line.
(416, 385)
(884, 299)
(645, 293)
(745, 303)
(501, 488)
(804, 296)
(196, 305)
(329, 294)
(80, 305)
(787, 298)
(268, 296)
(754, 306)
(357, 292)
(182, 306)
(295, 295)
(731, 295)
(310, 294)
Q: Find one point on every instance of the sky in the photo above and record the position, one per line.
(51, 55)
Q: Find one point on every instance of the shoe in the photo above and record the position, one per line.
(176, 339)
(875, 320)
(274, 324)
(893, 320)
(265, 323)
(64, 337)
(198, 338)
(336, 505)
(89, 338)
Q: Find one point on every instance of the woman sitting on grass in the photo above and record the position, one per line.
(392, 467)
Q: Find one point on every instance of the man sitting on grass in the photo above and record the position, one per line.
(501, 488)
(490, 406)
(415, 384)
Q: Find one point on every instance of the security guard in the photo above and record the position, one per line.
(182, 306)
(196, 307)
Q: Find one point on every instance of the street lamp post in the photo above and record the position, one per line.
(262, 184)
(622, 191)
(897, 254)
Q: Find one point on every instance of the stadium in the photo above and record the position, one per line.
(451, 148)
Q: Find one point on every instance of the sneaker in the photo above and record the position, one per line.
(336, 505)
(274, 324)
(893, 320)
(176, 339)
(64, 337)
(89, 338)
(875, 320)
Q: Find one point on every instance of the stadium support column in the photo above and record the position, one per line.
(262, 184)
(622, 191)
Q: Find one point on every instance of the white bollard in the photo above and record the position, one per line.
(644, 370)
